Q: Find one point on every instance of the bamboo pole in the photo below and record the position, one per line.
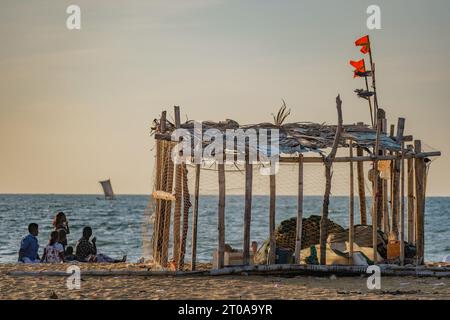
(167, 209)
(410, 169)
(247, 209)
(368, 99)
(396, 181)
(195, 218)
(402, 203)
(361, 186)
(351, 207)
(272, 243)
(326, 198)
(221, 216)
(391, 182)
(159, 185)
(298, 240)
(361, 159)
(178, 195)
(186, 207)
(155, 252)
(419, 166)
(372, 66)
(381, 115)
(376, 195)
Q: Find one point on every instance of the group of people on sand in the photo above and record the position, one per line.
(57, 250)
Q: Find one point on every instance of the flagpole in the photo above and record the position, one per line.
(372, 67)
(368, 98)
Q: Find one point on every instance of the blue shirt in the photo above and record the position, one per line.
(29, 247)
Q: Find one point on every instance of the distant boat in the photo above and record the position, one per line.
(107, 190)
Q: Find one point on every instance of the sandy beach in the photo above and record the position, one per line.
(209, 287)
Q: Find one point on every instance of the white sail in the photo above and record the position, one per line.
(107, 189)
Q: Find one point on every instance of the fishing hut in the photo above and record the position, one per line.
(385, 172)
(398, 185)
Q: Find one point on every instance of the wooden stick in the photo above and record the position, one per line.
(221, 216)
(280, 269)
(384, 185)
(361, 159)
(396, 181)
(163, 195)
(368, 99)
(162, 123)
(419, 166)
(351, 207)
(195, 218)
(168, 176)
(298, 240)
(247, 209)
(411, 227)
(402, 212)
(361, 186)
(272, 243)
(178, 195)
(326, 198)
(176, 110)
(157, 185)
(375, 197)
(381, 115)
(186, 207)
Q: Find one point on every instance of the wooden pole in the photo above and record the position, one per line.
(178, 197)
(396, 180)
(391, 182)
(368, 99)
(375, 97)
(168, 175)
(381, 116)
(361, 187)
(272, 243)
(247, 209)
(419, 166)
(298, 240)
(376, 195)
(411, 227)
(156, 253)
(162, 123)
(221, 216)
(402, 203)
(186, 207)
(326, 197)
(351, 207)
(195, 218)
(161, 171)
(176, 110)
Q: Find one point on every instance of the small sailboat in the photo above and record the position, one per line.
(107, 190)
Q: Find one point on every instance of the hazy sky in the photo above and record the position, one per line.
(76, 106)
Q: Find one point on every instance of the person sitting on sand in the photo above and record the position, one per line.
(86, 251)
(29, 246)
(68, 255)
(61, 225)
(54, 251)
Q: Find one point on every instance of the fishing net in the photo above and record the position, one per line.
(171, 243)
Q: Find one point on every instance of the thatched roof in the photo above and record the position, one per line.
(296, 137)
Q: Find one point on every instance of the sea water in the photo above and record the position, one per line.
(123, 226)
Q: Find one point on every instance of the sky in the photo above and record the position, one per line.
(76, 106)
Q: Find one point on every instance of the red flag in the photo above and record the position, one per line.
(359, 67)
(364, 43)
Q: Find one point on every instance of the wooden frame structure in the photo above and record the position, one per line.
(372, 145)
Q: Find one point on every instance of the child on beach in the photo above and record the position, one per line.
(61, 225)
(54, 251)
(29, 245)
(86, 251)
(68, 255)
